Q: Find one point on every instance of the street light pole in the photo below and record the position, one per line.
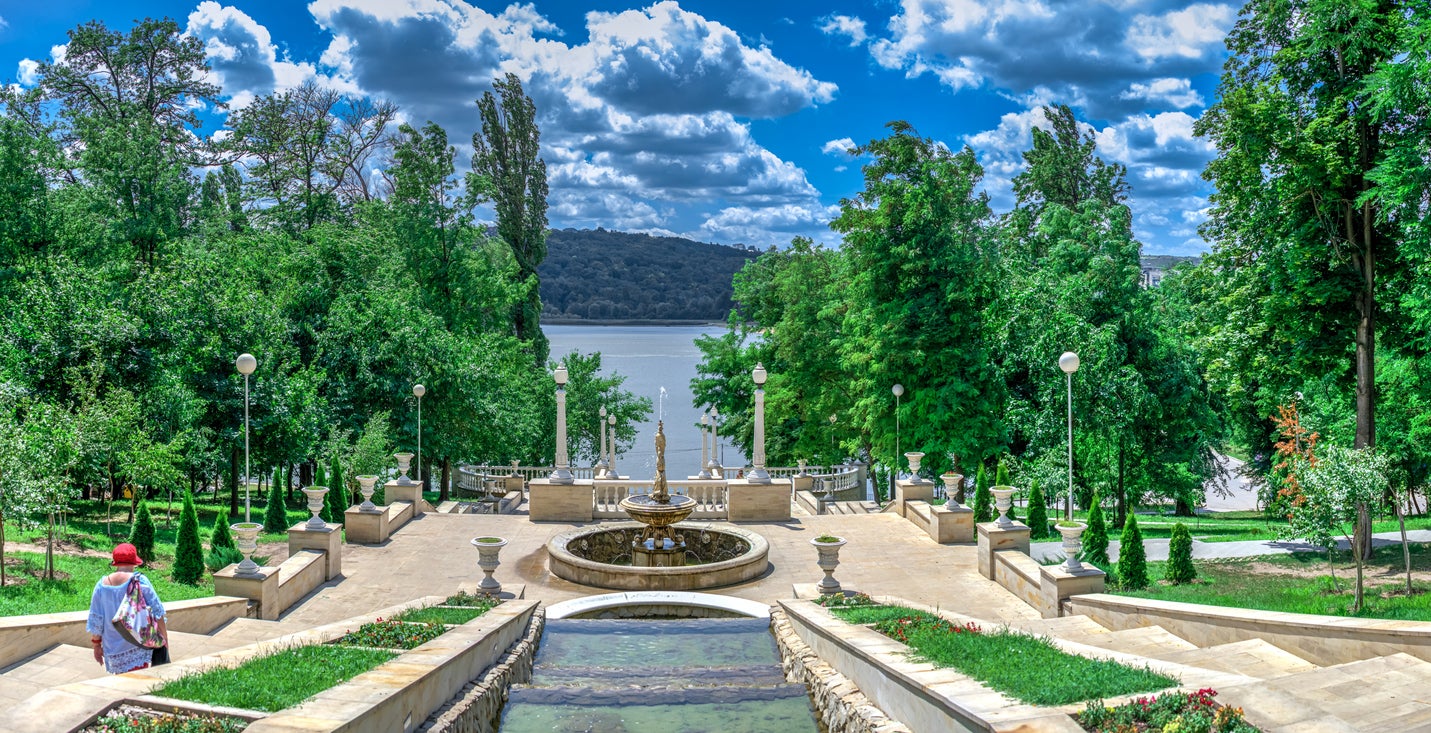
(246, 364)
(599, 470)
(1068, 362)
(758, 474)
(898, 390)
(611, 469)
(418, 391)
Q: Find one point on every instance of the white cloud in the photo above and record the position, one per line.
(29, 72)
(749, 224)
(1176, 92)
(242, 54)
(840, 147)
(1188, 33)
(844, 25)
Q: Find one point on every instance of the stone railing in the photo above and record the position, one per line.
(710, 497)
(482, 477)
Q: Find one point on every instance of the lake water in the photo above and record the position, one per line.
(651, 357)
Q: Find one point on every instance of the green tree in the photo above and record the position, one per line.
(1038, 513)
(1095, 538)
(188, 550)
(508, 170)
(337, 497)
(1331, 492)
(221, 536)
(275, 513)
(1180, 567)
(141, 535)
(983, 506)
(1132, 557)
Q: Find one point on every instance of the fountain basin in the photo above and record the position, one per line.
(600, 556)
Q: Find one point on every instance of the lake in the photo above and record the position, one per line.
(651, 357)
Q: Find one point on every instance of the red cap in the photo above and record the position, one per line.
(125, 554)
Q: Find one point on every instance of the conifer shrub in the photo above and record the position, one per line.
(1132, 558)
(141, 535)
(1038, 513)
(983, 505)
(188, 551)
(1095, 538)
(221, 536)
(1180, 556)
(337, 497)
(275, 515)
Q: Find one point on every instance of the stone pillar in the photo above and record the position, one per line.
(261, 588)
(552, 502)
(328, 540)
(366, 528)
(561, 474)
(758, 474)
(409, 492)
(1056, 584)
(993, 538)
(751, 502)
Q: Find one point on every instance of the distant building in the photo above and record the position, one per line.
(1154, 266)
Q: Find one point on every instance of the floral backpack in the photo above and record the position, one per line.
(133, 621)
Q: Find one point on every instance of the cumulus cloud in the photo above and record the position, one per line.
(841, 147)
(1175, 92)
(1187, 33)
(846, 26)
(29, 72)
(751, 224)
(242, 54)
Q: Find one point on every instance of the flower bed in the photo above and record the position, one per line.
(839, 600)
(477, 600)
(131, 719)
(1027, 668)
(392, 634)
(1193, 712)
(450, 615)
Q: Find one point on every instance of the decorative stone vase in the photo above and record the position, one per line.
(1003, 499)
(829, 560)
(315, 496)
(246, 539)
(515, 472)
(366, 486)
(404, 463)
(1072, 543)
(488, 548)
(802, 472)
(952, 483)
(914, 459)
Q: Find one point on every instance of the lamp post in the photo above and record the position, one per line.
(705, 438)
(611, 468)
(1068, 362)
(562, 473)
(758, 474)
(833, 418)
(418, 391)
(898, 390)
(599, 470)
(716, 471)
(246, 364)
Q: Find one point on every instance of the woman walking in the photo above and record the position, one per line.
(110, 647)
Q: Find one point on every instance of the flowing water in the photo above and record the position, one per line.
(658, 676)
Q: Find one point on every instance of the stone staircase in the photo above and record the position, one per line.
(1287, 692)
(851, 507)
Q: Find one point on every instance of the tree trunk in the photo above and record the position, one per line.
(1365, 367)
(233, 482)
(50, 547)
(1356, 602)
(288, 479)
(446, 479)
(1405, 548)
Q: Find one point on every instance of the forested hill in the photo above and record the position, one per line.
(604, 275)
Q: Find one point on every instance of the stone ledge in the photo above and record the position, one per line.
(590, 604)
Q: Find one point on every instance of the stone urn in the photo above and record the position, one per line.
(953, 482)
(802, 472)
(829, 549)
(1003, 499)
(315, 496)
(488, 548)
(366, 486)
(246, 539)
(1072, 543)
(404, 464)
(914, 460)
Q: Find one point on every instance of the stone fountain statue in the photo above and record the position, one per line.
(659, 545)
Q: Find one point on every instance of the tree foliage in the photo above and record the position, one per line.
(1180, 567)
(1132, 557)
(188, 549)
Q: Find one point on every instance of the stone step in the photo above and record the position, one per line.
(184, 646)
(851, 507)
(1253, 657)
(59, 665)
(1147, 641)
(1380, 694)
(1074, 628)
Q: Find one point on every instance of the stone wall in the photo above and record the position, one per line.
(840, 705)
(478, 708)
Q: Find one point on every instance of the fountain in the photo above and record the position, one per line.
(651, 553)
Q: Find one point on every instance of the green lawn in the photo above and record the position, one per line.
(1221, 526)
(277, 681)
(72, 594)
(1237, 583)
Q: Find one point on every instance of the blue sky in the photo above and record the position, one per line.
(728, 121)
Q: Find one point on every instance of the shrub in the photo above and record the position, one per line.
(1038, 513)
(142, 534)
(188, 551)
(392, 634)
(337, 497)
(146, 722)
(222, 557)
(1132, 558)
(1180, 556)
(221, 537)
(1095, 538)
(275, 515)
(983, 507)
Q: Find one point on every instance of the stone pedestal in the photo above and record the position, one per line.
(803, 483)
(670, 555)
(1057, 583)
(328, 540)
(366, 528)
(951, 524)
(747, 502)
(993, 538)
(261, 588)
(911, 490)
(549, 502)
(395, 491)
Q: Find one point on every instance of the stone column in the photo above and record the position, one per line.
(561, 474)
(758, 474)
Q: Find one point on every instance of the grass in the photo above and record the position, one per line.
(393, 634)
(87, 527)
(1236, 583)
(439, 615)
(277, 681)
(73, 593)
(1222, 526)
(1028, 668)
